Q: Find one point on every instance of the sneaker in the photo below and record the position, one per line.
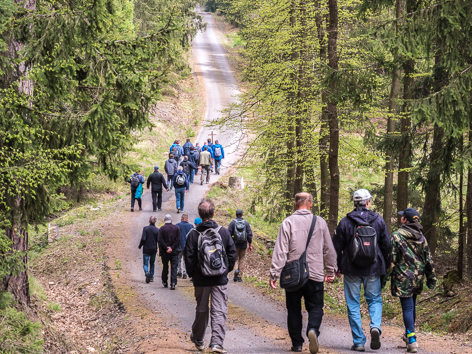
(358, 348)
(216, 348)
(172, 286)
(159, 209)
(164, 285)
(148, 277)
(184, 276)
(152, 279)
(132, 209)
(240, 279)
(375, 338)
(236, 275)
(153, 210)
(297, 348)
(412, 347)
(314, 345)
(178, 210)
(198, 343)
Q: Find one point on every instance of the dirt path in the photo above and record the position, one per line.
(256, 324)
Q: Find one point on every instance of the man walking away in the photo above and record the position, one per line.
(320, 254)
(363, 267)
(187, 147)
(176, 150)
(411, 263)
(135, 180)
(181, 185)
(193, 158)
(241, 232)
(209, 282)
(209, 143)
(205, 162)
(149, 243)
(184, 227)
(169, 249)
(188, 167)
(219, 155)
(158, 181)
(171, 169)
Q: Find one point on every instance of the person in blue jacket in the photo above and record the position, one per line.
(184, 227)
(178, 152)
(187, 147)
(218, 155)
(181, 185)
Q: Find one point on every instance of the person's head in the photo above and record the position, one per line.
(156, 168)
(197, 221)
(216, 141)
(192, 148)
(409, 216)
(180, 168)
(362, 198)
(209, 140)
(139, 172)
(184, 217)
(239, 213)
(197, 144)
(171, 156)
(303, 200)
(205, 148)
(152, 220)
(185, 157)
(206, 209)
(188, 140)
(168, 219)
(177, 141)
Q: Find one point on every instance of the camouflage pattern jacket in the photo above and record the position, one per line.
(411, 262)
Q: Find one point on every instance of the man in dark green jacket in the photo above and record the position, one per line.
(411, 263)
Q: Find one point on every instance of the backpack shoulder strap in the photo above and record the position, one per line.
(310, 232)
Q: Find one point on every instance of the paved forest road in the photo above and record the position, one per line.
(255, 323)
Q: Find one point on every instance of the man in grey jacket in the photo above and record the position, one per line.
(289, 246)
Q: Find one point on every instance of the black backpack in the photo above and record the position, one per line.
(134, 181)
(185, 167)
(240, 235)
(180, 180)
(363, 245)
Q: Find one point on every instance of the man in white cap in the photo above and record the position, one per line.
(169, 249)
(362, 244)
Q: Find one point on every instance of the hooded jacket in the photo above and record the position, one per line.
(187, 147)
(232, 232)
(171, 167)
(149, 239)
(141, 180)
(184, 227)
(342, 238)
(193, 157)
(186, 183)
(411, 262)
(222, 156)
(191, 255)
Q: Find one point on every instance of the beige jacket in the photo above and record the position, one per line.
(291, 242)
(205, 158)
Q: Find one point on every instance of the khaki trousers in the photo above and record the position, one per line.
(240, 260)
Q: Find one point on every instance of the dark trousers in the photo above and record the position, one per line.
(133, 199)
(173, 258)
(156, 199)
(409, 312)
(169, 181)
(313, 293)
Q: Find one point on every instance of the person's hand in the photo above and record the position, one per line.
(167, 189)
(169, 250)
(338, 274)
(329, 278)
(186, 190)
(250, 247)
(273, 284)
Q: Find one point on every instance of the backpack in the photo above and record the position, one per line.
(240, 235)
(363, 245)
(212, 259)
(180, 179)
(134, 181)
(217, 152)
(176, 152)
(185, 167)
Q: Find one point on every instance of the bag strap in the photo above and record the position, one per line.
(310, 233)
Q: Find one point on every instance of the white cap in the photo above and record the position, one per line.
(361, 194)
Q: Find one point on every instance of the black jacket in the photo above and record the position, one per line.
(149, 239)
(232, 228)
(158, 181)
(191, 250)
(169, 236)
(342, 237)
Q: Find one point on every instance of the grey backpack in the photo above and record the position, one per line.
(212, 259)
(240, 235)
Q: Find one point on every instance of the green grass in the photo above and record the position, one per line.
(53, 307)
(36, 289)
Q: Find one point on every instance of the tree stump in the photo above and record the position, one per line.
(236, 183)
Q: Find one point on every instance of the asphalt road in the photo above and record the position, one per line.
(255, 322)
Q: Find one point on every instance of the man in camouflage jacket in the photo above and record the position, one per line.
(411, 263)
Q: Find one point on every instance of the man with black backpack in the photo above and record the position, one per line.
(188, 166)
(241, 232)
(362, 244)
(304, 239)
(209, 255)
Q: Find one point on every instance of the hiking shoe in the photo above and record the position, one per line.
(132, 209)
(184, 276)
(236, 275)
(240, 279)
(314, 345)
(172, 286)
(148, 277)
(198, 343)
(178, 210)
(153, 210)
(152, 279)
(216, 348)
(296, 348)
(412, 347)
(358, 348)
(164, 285)
(375, 338)
(159, 209)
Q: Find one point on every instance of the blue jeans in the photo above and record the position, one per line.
(373, 296)
(217, 164)
(149, 259)
(192, 174)
(409, 312)
(179, 198)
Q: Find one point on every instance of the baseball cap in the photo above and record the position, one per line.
(361, 194)
(410, 214)
(156, 167)
(197, 221)
(167, 219)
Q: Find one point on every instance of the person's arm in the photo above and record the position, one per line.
(163, 182)
(177, 239)
(385, 244)
(141, 242)
(329, 253)
(280, 254)
(190, 254)
(148, 182)
(162, 242)
(187, 183)
(392, 260)
(339, 244)
(429, 267)
(248, 232)
(230, 251)
(173, 179)
(222, 152)
(231, 228)
(165, 168)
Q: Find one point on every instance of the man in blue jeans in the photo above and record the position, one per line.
(149, 243)
(218, 155)
(181, 186)
(356, 275)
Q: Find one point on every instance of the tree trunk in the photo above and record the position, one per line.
(392, 111)
(333, 118)
(469, 213)
(324, 128)
(460, 258)
(432, 202)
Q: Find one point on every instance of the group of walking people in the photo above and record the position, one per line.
(181, 167)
